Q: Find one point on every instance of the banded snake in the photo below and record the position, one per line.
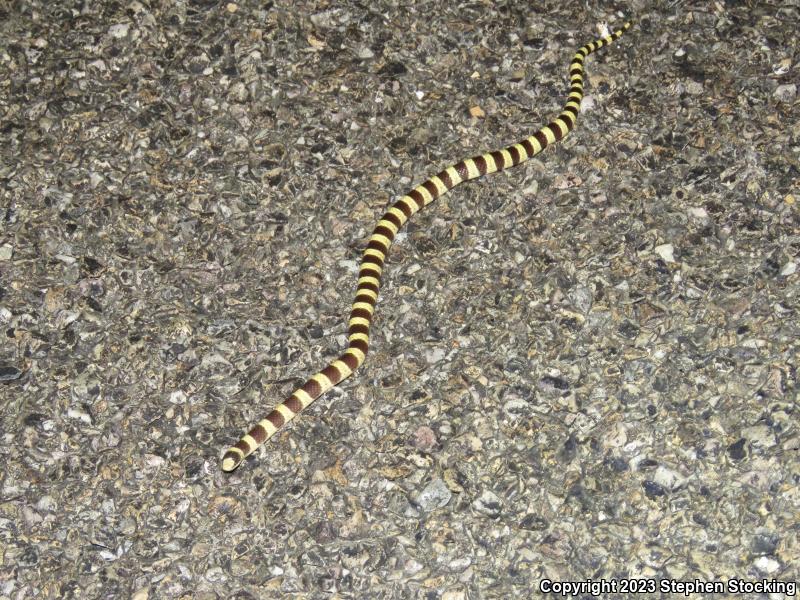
(378, 246)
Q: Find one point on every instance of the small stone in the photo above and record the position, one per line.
(435, 495)
(695, 88)
(364, 52)
(315, 42)
(66, 259)
(786, 92)
(434, 355)
(698, 212)
(665, 251)
(9, 373)
(782, 67)
(653, 490)
(488, 504)
(667, 478)
(767, 565)
(516, 407)
(477, 112)
(119, 31)
(178, 397)
(425, 438)
(455, 480)
(737, 450)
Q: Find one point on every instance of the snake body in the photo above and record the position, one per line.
(391, 222)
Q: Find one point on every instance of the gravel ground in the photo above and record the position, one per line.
(582, 368)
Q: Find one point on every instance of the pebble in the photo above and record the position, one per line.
(434, 495)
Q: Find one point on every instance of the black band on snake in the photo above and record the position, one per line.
(369, 276)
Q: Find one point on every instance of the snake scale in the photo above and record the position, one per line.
(391, 222)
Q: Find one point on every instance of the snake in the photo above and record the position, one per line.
(372, 262)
